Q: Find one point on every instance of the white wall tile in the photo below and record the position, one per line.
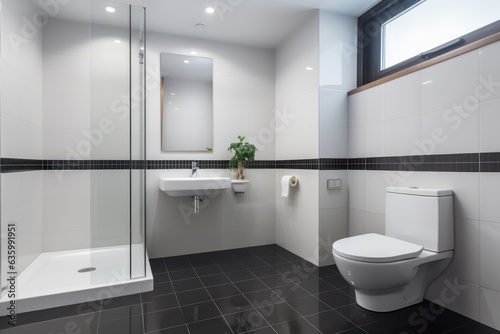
(375, 135)
(489, 74)
(375, 104)
(376, 183)
(451, 84)
(293, 56)
(357, 222)
(403, 137)
(489, 194)
(463, 298)
(231, 88)
(356, 142)
(489, 136)
(329, 198)
(66, 74)
(333, 225)
(375, 223)
(66, 37)
(109, 77)
(451, 131)
(466, 255)
(489, 306)
(66, 111)
(403, 96)
(357, 189)
(490, 247)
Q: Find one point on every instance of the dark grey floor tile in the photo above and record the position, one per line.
(254, 263)
(233, 304)
(187, 284)
(295, 326)
(308, 305)
(265, 330)
(240, 275)
(277, 313)
(200, 311)
(246, 321)
(161, 278)
(163, 319)
(335, 298)
(276, 281)
(216, 279)
(178, 266)
(330, 322)
(275, 259)
(289, 292)
(208, 270)
(316, 286)
(264, 271)
(221, 291)
(473, 327)
(250, 285)
(159, 303)
(132, 325)
(193, 296)
(120, 301)
(263, 297)
(158, 290)
(337, 281)
(174, 330)
(157, 266)
(212, 326)
(361, 316)
(120, 313)
(231, 266)
(182, 274)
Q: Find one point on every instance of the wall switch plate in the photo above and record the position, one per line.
(334, 184)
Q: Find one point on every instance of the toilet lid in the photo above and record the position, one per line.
(374, 247)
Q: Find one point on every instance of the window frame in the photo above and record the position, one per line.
(370, 40)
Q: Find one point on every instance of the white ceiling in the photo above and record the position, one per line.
(262, 23)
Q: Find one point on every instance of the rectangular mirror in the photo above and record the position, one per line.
(186, 103)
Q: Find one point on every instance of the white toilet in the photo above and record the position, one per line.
(392, 271)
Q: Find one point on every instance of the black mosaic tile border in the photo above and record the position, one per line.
(464, 162)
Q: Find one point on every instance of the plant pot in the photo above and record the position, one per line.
(239, 171)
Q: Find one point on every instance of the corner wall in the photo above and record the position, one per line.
(448, 113)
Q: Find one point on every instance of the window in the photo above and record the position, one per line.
(396, 34)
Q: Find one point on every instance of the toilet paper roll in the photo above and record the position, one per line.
(288, 181)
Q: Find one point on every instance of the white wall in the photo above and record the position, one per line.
(297, 216)
(337, 64)
(459, 98)
(315, 102)
(21, 122)
(243, 105)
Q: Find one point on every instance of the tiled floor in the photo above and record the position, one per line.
(256, 290)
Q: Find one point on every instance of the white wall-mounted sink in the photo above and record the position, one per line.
(191, 186)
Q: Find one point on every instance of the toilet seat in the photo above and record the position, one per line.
(376, 248)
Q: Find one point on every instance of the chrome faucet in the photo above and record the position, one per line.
(194, 169)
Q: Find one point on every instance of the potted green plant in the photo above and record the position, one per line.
(243, 152)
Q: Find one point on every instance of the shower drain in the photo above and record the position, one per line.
(86, 270)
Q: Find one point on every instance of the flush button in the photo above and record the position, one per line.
(334, 184)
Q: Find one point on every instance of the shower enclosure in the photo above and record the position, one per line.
(72, 153)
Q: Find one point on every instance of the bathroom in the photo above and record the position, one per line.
(302, 121)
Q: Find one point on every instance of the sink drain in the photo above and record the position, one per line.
(86, 270)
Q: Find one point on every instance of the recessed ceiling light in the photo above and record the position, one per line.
(186, 61)
(110, 9)
(199, 26)
(426, 82)
(117, 41)
(210, 10)
(309, 68)
(194, 52)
